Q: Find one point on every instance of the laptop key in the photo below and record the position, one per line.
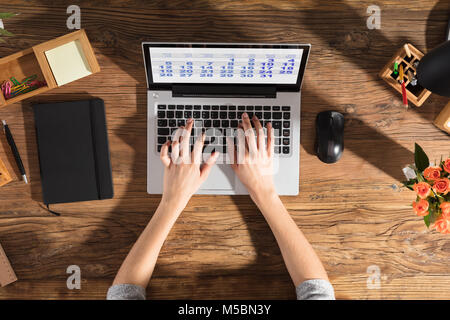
(241, 108)
(231, 115)
(286, 133)
(286, 108)
(161, 107)
(161, 114)
(172, 123)
(207, 123)
(170, 114)
(285, 150)
(206, 107)
(188, 107)
(223, 108)
(276, 124)
(285, 141)
(162, 123)
(215, 107)
(267, 115)
(163, 131)
(239, 115)
(159, 148)
(223, 115)
(179, 114)
(196, 114)
(162, 140)
(214, 115)
(180, 107)
(188, 114)
(216, 123)
(205, 114)
(286, 124)
(286, 115)
(225, 123)
(181, 122)
(171, 106)
(250, 108)
(258, 108)
(234, 123)
(250, 114)
(267, 108)
(259, 115)
(277, 115)
(197, 107)
(276, 108)
(232, 108)
(277, 141)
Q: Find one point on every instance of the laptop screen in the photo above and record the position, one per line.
(281, 65)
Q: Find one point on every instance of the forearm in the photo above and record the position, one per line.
(300, 258)
(140, 262)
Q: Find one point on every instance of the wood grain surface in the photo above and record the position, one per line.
(355, 212)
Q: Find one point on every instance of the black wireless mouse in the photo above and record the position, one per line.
(329, 136)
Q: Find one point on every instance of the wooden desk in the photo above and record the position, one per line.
(355, 212)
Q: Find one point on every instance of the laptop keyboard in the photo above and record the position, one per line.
(216, 119)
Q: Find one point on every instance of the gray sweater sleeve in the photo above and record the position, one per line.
(316, 289)
(126, 292)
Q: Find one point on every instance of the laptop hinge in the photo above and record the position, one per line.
(232, 91)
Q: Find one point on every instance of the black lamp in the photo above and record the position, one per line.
(433, 71)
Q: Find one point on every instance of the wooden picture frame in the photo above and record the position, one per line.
(34, 61)
(416, 94)
(442, 121)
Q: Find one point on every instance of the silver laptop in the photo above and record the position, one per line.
(214, 84)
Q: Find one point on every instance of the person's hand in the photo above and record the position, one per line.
(184, 172)
(253, 159)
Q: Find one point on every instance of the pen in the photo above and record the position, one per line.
(14, 150)
(402, 82)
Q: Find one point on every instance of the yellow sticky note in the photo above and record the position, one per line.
(68, 62)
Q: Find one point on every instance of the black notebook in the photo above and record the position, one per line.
(73, 151)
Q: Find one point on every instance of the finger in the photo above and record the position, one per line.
(184, 144)
(206, 169)
(242, 151)
(270, 140)
(231, 151)
(249, 134)
(165, 154)
(260, 137)
(198, 149)
(175, 151)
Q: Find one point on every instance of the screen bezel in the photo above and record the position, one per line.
(168, 86)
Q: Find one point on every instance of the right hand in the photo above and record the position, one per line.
(253, 160)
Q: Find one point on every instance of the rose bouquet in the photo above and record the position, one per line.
(432, 186)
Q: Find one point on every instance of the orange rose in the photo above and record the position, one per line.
(447, 165)
(445, 207)
(422, 189)
(421, 207)
(442, 225)
(432, 173)
(442, 186)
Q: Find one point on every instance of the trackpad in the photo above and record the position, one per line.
(221, 177)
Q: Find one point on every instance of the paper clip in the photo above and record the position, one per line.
(6, 89)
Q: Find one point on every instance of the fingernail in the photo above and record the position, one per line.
(245, 115)
(189, 120)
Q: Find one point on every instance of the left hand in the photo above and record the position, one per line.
(183, 173)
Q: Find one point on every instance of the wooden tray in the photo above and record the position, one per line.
(416, 94)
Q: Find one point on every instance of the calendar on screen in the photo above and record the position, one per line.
(225, 65)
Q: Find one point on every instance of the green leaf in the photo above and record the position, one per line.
(409, 184)
(6, 15)
(426, 219)
(420, 158)
(4, 32)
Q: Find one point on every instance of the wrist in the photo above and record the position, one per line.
(171, 207)
(264, 197)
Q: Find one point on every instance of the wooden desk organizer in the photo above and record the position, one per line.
(34, 61)
(5, 177)
(416, 94)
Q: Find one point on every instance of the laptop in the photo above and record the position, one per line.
(214, 84)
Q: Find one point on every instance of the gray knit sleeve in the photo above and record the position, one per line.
(316, 289)
(126, 292)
